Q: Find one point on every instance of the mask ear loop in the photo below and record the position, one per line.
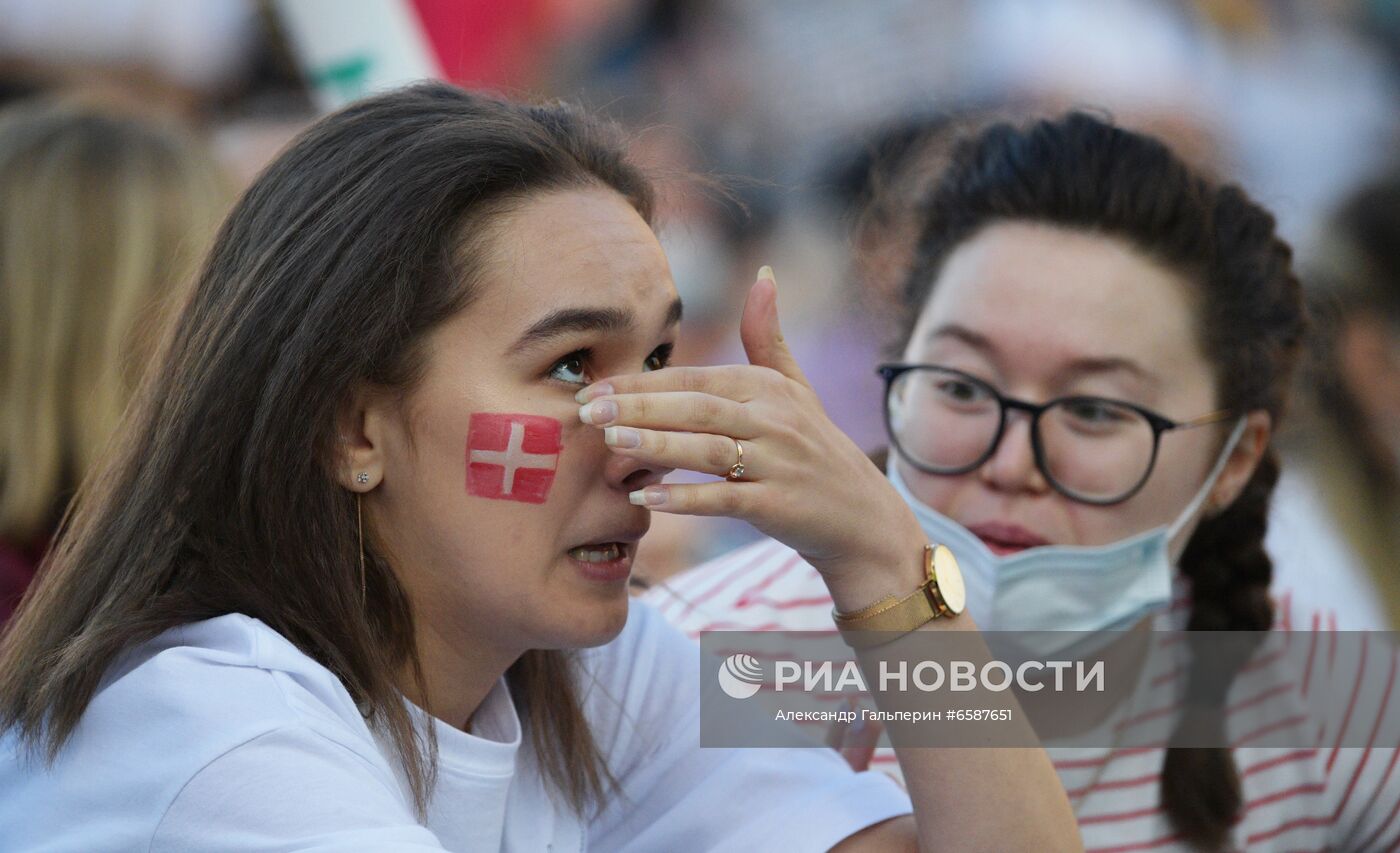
(1204, 492)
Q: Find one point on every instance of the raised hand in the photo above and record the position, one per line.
(803, 481)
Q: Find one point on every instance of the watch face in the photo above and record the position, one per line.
(950, 579)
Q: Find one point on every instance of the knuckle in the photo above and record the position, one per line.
(691, 499)
(785, 432)
(771, 377)
(721, 453)
(731, 500)
(656, 441)
(678, 498)
(707, 410)
(724, 500)
(691, 379)
(759, 501)
(746, 415)
(793, 392)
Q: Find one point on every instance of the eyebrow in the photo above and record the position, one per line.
(564, 321)
(1082, 365)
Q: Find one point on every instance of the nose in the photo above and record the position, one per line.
(1012, 467)
(627, 474)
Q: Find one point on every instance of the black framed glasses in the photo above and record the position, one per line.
(1091, 449)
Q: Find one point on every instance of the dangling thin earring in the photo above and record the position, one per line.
(360, 529)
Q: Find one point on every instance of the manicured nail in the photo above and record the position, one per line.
(650, 496)
(598, 412)
(597, 390)
(622, 436)
(766, 271)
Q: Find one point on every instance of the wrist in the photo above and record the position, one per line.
(895, 569)
(942, 594)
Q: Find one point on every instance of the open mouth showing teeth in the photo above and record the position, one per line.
(597, 553)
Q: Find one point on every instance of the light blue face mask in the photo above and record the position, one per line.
(1084, 588)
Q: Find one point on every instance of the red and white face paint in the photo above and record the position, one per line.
(512, 457)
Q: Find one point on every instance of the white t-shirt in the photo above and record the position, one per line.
(1331, 797)
(222, 735)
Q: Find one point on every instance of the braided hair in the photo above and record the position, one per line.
(1080, 171)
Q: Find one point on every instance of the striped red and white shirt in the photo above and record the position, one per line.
(1322, 797)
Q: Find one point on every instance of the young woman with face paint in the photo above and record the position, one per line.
(355, 575)
(1098, 346)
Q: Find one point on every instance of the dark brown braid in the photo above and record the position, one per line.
(1079, 171)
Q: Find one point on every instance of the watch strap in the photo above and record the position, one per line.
(894, 615)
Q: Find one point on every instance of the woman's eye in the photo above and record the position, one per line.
(573, 368)
(659, 358)
(570, 368)
(959, 391)
(1094, 412)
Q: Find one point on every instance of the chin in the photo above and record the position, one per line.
(587, 621)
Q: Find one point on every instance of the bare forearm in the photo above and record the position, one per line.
(991, 799)
(987, 798)
(974, 797)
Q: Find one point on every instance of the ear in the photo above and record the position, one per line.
(363, 432)
(1244, 458)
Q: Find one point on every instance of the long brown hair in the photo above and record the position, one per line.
(220, 495)
(1079, 171)
(104, 217)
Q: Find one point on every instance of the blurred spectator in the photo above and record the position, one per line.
(19, 81)
(1335, 531)
(103, 218)
(202, 47)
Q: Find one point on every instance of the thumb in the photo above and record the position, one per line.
(759, 331)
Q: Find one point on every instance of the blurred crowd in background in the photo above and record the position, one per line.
(797, 133)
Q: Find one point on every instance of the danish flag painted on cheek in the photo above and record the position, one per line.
(512, 457)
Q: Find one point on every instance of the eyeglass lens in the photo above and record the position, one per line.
(947, 423)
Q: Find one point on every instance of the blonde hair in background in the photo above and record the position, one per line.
(104, 218)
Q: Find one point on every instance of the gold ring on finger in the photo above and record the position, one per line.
(736, 470)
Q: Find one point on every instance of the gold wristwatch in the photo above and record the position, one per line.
(941, 595)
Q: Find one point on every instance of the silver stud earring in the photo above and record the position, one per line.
(362, 477)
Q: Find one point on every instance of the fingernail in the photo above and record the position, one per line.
(622, 436)
(599, 390)
(598, 412)
(650, 496)
(766, 271)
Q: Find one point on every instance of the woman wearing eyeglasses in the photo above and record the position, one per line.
(1097, 348)
(354, 576)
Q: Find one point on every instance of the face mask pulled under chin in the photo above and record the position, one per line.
(1070, 588)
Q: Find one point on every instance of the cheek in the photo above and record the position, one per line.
(1099, 525)
(939, 492)
(1063, 521)
(1174, 482)
(1175, 479)
(512, 457)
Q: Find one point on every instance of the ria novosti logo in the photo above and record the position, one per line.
(740, 676)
